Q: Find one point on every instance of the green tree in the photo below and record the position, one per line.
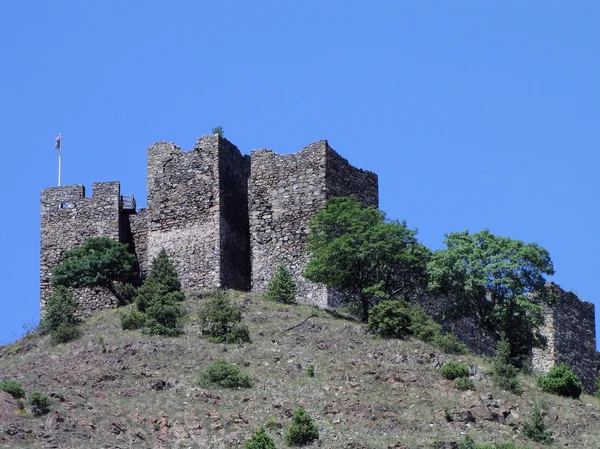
(60, 309)
(221, 321)
(497, 281)
(303, 430)
(99, 262)
(158, 299)
(260, 440)
(504, 373)
(282, 287)
(359, 252)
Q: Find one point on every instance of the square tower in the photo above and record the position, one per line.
(198, 212)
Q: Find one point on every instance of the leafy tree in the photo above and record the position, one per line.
(363, 255)
(99, 262)
(260, 440)
(282, 287)
(303, 430)
(496, 280)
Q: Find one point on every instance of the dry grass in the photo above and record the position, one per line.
(366, 392)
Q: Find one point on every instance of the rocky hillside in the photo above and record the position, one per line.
(123, 389)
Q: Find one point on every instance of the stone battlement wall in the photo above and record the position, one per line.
(68, 219)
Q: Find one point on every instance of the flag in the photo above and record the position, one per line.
(57, 144)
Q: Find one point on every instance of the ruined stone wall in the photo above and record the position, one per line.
(234, 171)
(186, 212)
(285, 192)
(571, 333)
(138, 239)
(68, 219)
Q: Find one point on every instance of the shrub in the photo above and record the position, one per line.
(133, 320)
(60, 309)
(218, 130)
(535, 429)
(389, 319)
(504, 373)
(464, 383)
(260, 440)
(561, 380)
(453, 370)
(302, 430)
(598, 387)
(13, 388)
(282, 287)
(422, 326)
(40, 404)
(220, 321)
(310, 371)
(126, 293)
(65, 333)
(449, 344)
(224, 374)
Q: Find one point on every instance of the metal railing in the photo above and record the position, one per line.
(128, 203)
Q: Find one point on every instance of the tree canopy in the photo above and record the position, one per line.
(496, 280)
(363, 255)
(99, 262)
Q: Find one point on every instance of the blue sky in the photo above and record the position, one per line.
(474, 114)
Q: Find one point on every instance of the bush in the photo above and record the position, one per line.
(65, 333)
(535, 429)
(60, 309)
(561, 380)
(464, 383)
(220, 321)
(13, 388)
(40, 404)
(218, 130)
(282, 287)
(453, 370)
(598, 387)
(125, 293)
(389, 319)
(260, 440)
(133, 320)
(449, 344)
(310, 371)
(504, 373)
(302, 430)
(224, 374)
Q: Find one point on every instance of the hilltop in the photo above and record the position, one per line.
(123, 389)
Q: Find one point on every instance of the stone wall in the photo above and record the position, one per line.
(570, 330)
(191, 195)
(68, 219)
(285, 192)
(138, 239)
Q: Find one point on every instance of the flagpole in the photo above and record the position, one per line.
(59, 156)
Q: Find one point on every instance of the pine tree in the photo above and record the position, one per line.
(260, 440)
(282, 287)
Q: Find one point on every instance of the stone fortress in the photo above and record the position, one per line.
(227, 220)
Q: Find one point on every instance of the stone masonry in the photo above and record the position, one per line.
(227, 220)
(286, 191)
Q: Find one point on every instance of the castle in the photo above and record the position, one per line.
(227, 220)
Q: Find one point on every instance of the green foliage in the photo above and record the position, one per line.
(133, 320)
(389, 319)
(310, 371)
(504, 374)
(464, 383)
(598, 387)
(218, 130)
(220, 320)
(126, 293)
(469, 443)
(561, 380)
(282, 287)
(65, 333)
(535, 429)
(99, 262)
(453, 369)
(60, 309)
(40, 404)
(13, 388)
(158, 299)
(363, 255)
(303, 430)
(260, 440)
(449, 344)
(224, 374)
(498, 281)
